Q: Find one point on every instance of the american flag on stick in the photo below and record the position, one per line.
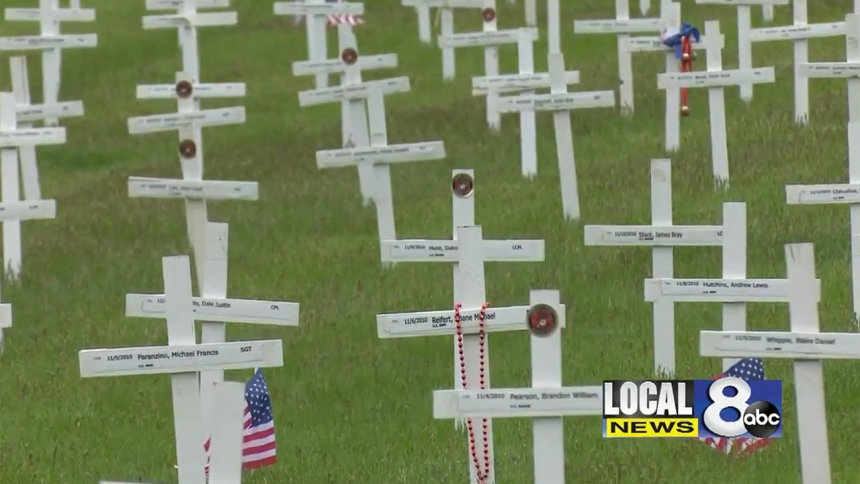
(258, 445)
(747, 369)
(334, 20)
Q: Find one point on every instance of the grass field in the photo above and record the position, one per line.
(348, 407)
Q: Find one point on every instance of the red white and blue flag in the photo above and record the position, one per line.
(747, 369)
(334, 19)
(258, 443)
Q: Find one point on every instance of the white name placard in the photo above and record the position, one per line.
(37, 209)
(200, 91)
(296, 8)
(336, 66)
(764, 344)
(448, 250)
(353, 91)
(177, 4)
(431, 150)
(193, 189)
(839, 70)
(645, 235)
(631, 26)
(443, 3)
(655, 44)
(509, 83)
(494, 37)
(797, 32)
(718, 290)
(180, 359)
(30, 113)
(218, 310)
(194, 20)
(168, 122)
(32, 136)
(433, 323)
(519, 402)
(61, 15)
(33, 42)
(823, 194)
(715, 79)
(556, 102)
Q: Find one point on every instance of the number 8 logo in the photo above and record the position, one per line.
(712, 418)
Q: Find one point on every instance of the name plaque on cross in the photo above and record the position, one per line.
(716, 78)
(336, 66)
(39, 209)
(433, 323)
(60, 15)
(192, 20)
(448, 250)
(402, 153)
(484, 39)
(556, 102)
(509, 83)
(798, 32)
(27, 113)
(719, 290)
(647, 235)
(193, 189)
(218, 309)
(199, 91)
(177, 4)
(299, 8)
(32, 136)
(172, 121)
(180, 358)
(360, 90)
(43, 43)
(764, 344)
(625, 26)
(517, 402)
(822, 194)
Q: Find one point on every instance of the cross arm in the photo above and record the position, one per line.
(441, 323)
(780, 344)
(448, 250)
(647, 235)
(174, 121)
(27, 113)
(655, 44)
(510, 83)
(214, 19)
(518, 402)
(150, 360)
(628, 26)
(443, 3)
(742, 2)
(192, 189)
(360, 90)
(484, 39)
(298, 8)
(798, 32)
(724, 78)
(337, 66)
(556, 102)
(829, 69)
(60, 15)
(721, 290)
(199, 90)
(177, 4)
(37, 42)
(32, 137)
(28, 210)
(402, 153)
(822, 194)
(250, 311)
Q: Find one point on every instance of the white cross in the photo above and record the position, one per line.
(469, 293)
(804, 344)
(177, 5)
(490, 38)
(182, 359)
(214, 309)
(546, 402)
(716, 79)
(188, 121)
(662, 235)
(846, 193)
(622, 26)
(356, 93)
(800, 33)
(734, 290)
(12, 209)
(49, 41)
(445, 18)
(463, 210)
(744, 30)
(560, 103)
(670, 18)
(316, 13)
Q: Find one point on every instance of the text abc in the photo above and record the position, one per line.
(760, 418)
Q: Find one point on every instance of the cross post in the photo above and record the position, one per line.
(182, 359)
(804, 344)
(744, 35)
(716, 79)
(445, 17)
(662, 235)
(622, 26)
(177, 5)
(560, 103)
(546, 402)
(800, 33)
(490, 38)
(846, 193)
(49, 41)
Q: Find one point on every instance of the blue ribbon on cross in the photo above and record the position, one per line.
(674, 41)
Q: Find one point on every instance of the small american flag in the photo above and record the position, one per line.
(258, 445)
(333, 20)
(747, 369)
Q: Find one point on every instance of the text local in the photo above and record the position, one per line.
(647, 399)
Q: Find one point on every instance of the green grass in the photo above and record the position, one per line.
(350, 408)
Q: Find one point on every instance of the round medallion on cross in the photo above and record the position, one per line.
(187, 149)
(184, 89)
(463, 185)
(349, 56)
(489, 14)
(542, 319)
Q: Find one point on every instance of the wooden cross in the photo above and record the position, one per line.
(445, 16)
(716, 79)
(560, 103)
(804, 344)
(463, 205)
(670, 18)
(380, 158)
(214, 309)
(315, 13)
(472, 345)
(355, 93)
(622, 26)
(177, 5)
(546, 402)
(846, 193)
(188, 121)
(744, 31)
(734, 290)
(490, 38)
(12, 209)
(662, 235)
(182, 359)
(800, 33)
